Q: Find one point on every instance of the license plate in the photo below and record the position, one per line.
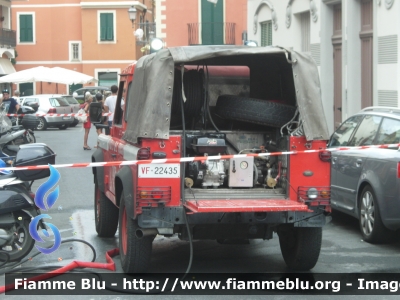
(66, 118)
(159, 171)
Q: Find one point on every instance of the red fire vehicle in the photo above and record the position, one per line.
(201, 122)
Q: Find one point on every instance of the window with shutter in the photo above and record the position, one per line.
(25, 28)
(106, 27)
(75, 50)
(266, 33)
(212, 23)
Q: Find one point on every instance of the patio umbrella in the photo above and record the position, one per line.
(28, 75)
(54, 75)
(66, 76)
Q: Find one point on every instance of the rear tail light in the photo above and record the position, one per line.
(153, 195)
(143, 194)
(314, 196)
(312, 193)
(325, 194)
(157, 194)
(325, 155)
(143, 153)
(52, 111)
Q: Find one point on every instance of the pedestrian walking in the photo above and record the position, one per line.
(109, 104)
(104, 120)
(87, 124)
(16, 96)
(10, 105)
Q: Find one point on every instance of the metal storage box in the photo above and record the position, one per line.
(33, 155)
(30, 121)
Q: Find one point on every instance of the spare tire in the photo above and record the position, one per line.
(256, 111)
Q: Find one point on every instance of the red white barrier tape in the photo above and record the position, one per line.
(189, 159)
(54, 115)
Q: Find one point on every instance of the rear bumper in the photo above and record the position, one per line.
(268, 215)
(56, 121)
(252, 205)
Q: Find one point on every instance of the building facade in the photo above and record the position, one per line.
(355, 44)
(7, 42)
(92, 37)
(201, 22)
(97, 38)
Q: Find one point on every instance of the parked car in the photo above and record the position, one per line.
(365, 182)
(74, 104)
(92, 89)
(51, 104)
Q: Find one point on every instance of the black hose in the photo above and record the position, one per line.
(9, 268)
(208, 102)
(183, 187)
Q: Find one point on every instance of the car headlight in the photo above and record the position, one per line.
(312, 193)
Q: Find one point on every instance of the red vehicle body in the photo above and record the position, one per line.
(244, 193)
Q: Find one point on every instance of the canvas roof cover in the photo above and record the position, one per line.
(151, 94)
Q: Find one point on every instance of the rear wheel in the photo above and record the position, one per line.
(63, 127)
(372, 228)
(29, 137)
(135, 252)
(22, 242)
(42, 124)
(106, 214)
(300, 246)
(74, 123)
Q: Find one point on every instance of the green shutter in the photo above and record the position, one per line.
(266, 34)
(269, 40)
(26, 28)
(103, 31)
(106, 27)
(110, 27)
(212, 23)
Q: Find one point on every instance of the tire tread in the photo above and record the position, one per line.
(305, 245)
(108, 219)
(138, 256)
(263, 112)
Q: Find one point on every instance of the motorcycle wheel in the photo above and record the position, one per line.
(22, 242)
(29, 137)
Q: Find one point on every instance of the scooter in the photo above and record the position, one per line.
(17, 206)
(12, 136)
(28, 122)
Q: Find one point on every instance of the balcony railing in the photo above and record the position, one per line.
(215, 33)
(149, 32)
(8, 38)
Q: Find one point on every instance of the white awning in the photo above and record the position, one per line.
(6, 67)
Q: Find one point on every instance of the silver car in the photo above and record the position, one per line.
(93, 90)
(74, 104)
(51, 104)
(365, 183)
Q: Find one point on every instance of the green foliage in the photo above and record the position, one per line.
(13, 61)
